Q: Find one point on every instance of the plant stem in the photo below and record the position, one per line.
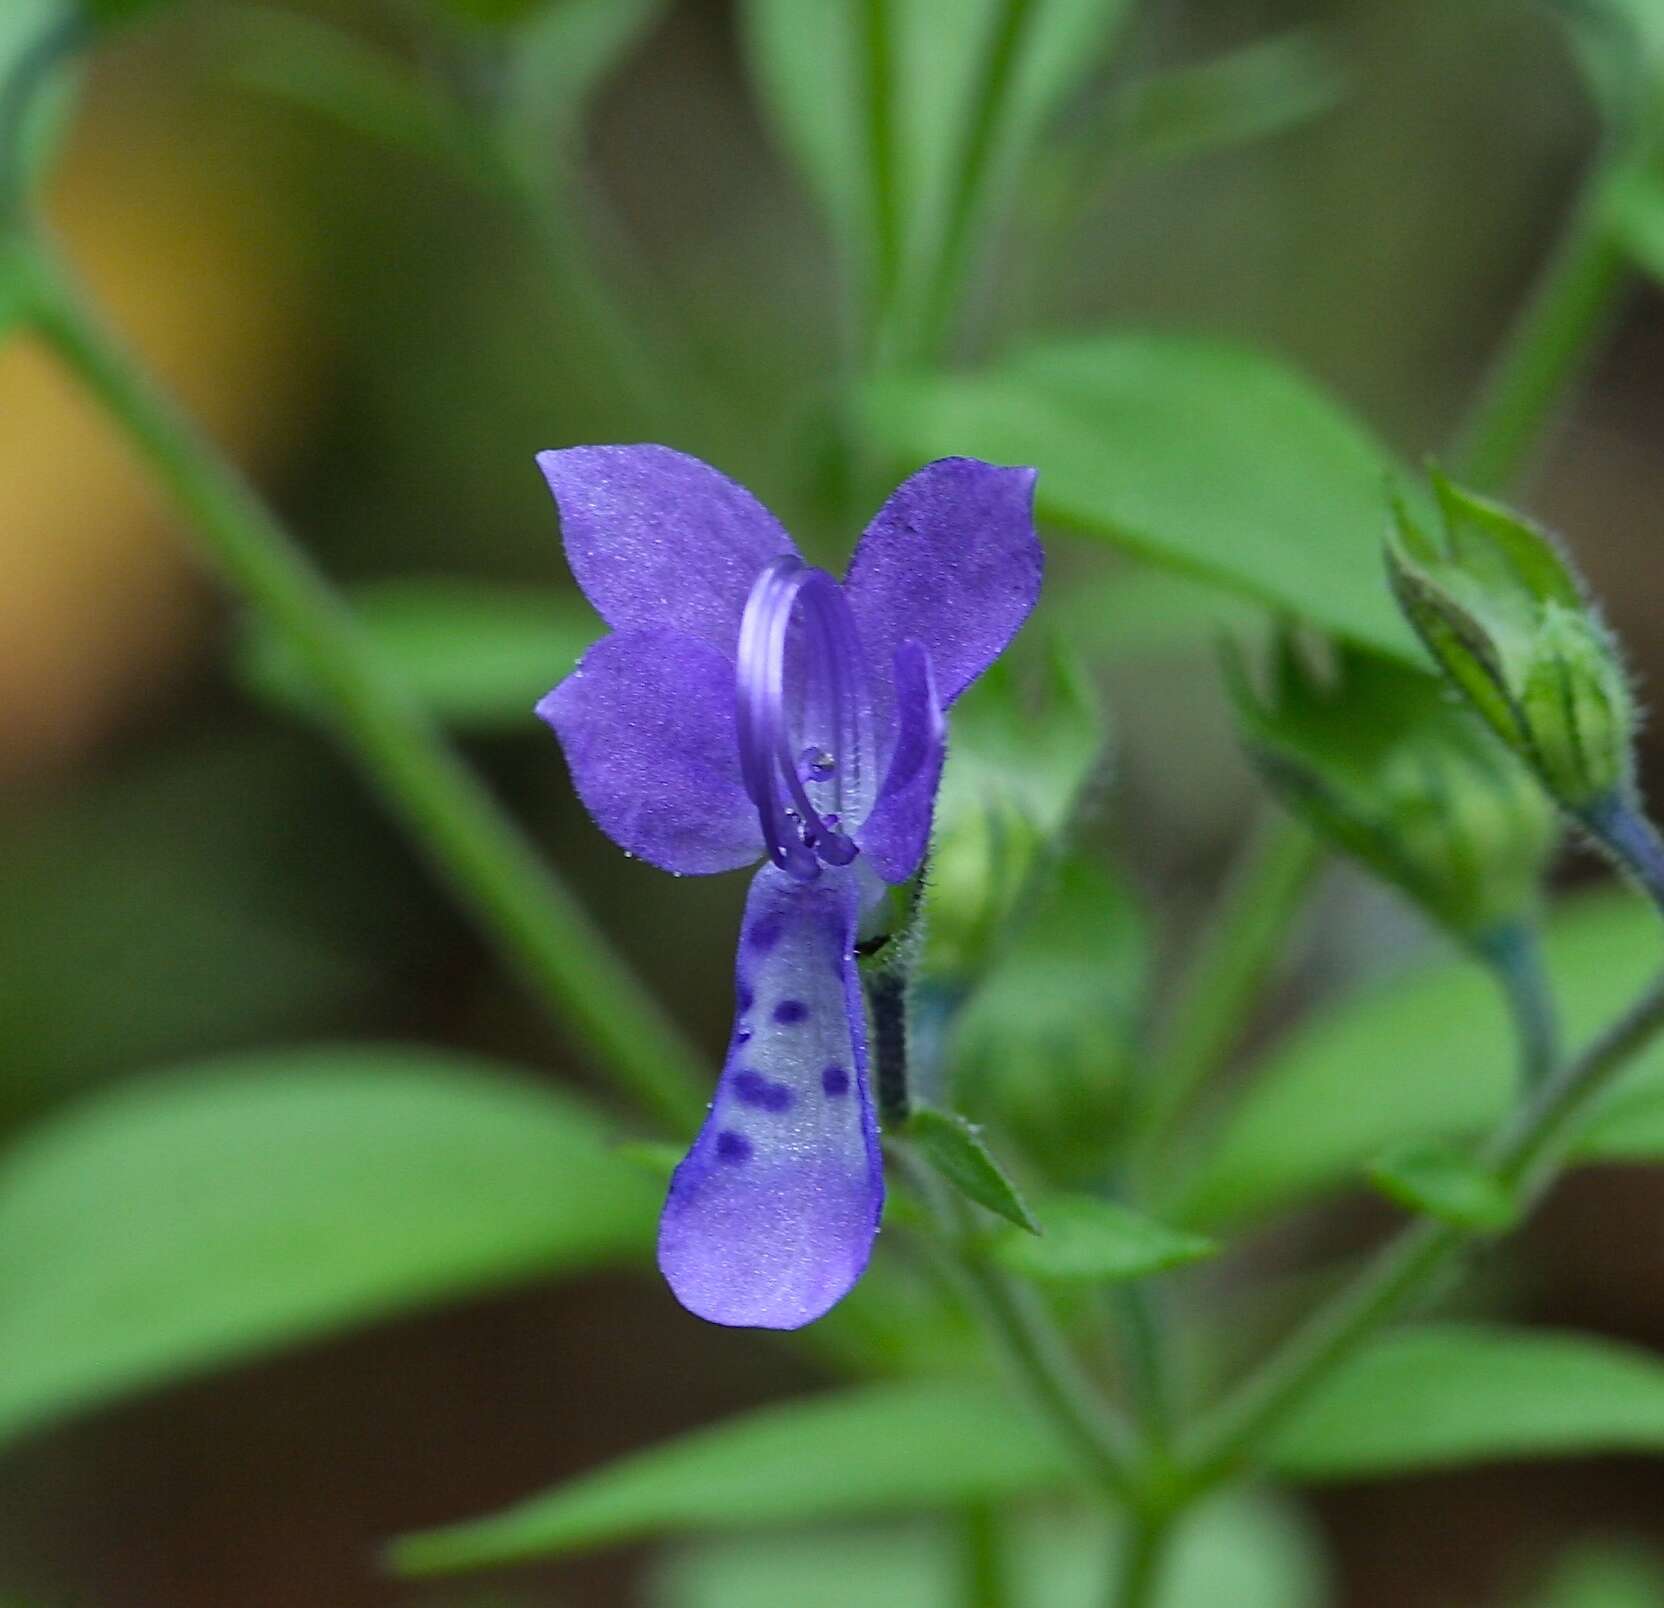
(1549, 344)
(1055, 1381)
(886, 988)
(1139, 1563)
(974, 175)
(1624, 831)
(514, 895)
(882, 159)
(987, 1574)
(1241, 942)
(1514, 955)
(1523, 1155)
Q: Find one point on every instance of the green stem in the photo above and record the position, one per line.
(1621, 827)
(974, 174)
(987, 1572)
(882, 161)
(1033, 1345)
(1051, 1375)
(1241, 942)
(1514, 955)
(1142, 1554)
(1139, 1318)
(1523, 1155)
(514, 895)
(1549, 345)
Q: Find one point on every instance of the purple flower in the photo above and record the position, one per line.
(747, 704)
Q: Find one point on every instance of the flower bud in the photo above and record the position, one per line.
(1027, 742)
(1503, 612)
(1379, 762)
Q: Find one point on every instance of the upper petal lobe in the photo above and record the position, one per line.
(656, 537)
(952, 560)
(770, 1219)
(647, 723)
(896, 833)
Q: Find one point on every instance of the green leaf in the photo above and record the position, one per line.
(1635, 210)
(955, 1148)
(1085, 1240)
(330, 72)
(1245, 1552)
(188, 1220)
(1264, 88)
(1444, 1394)
(1420, 1398)
(1603, 1576)
(870, 1450)
(479, 656)
(37, 38)
(1443, 1181)
(809, 61)
(1202, 456)
(1423, 1055)
(1044, 1044)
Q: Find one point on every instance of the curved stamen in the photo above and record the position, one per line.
(830, 747)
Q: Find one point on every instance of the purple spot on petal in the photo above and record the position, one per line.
(835, 1081)
(753, 1089)
(733, 1147)
(789, 1011)
(764, 935)
(745, 999)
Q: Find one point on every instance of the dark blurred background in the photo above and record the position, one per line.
(186, 871)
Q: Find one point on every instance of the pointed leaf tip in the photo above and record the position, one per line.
(955, 1148)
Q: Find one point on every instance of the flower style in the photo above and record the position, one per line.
(746, 705)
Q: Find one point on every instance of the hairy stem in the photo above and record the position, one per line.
(516, 898)
(1621, 828)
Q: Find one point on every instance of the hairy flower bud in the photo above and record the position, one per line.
(1503, 612)
(1378, 761)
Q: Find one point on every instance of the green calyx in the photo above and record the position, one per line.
(1503, 613)
(1375, 758)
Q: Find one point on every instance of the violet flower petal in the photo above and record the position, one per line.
(897, 832)
(770, 1218)
(656, 537)
(647, 723)
(952, 560)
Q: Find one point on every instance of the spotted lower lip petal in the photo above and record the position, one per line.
(770, 1219)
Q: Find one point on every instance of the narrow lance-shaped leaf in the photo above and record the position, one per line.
(192, 1219)
(1085, 1240)
(1420, 1398)
(957, 1150)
